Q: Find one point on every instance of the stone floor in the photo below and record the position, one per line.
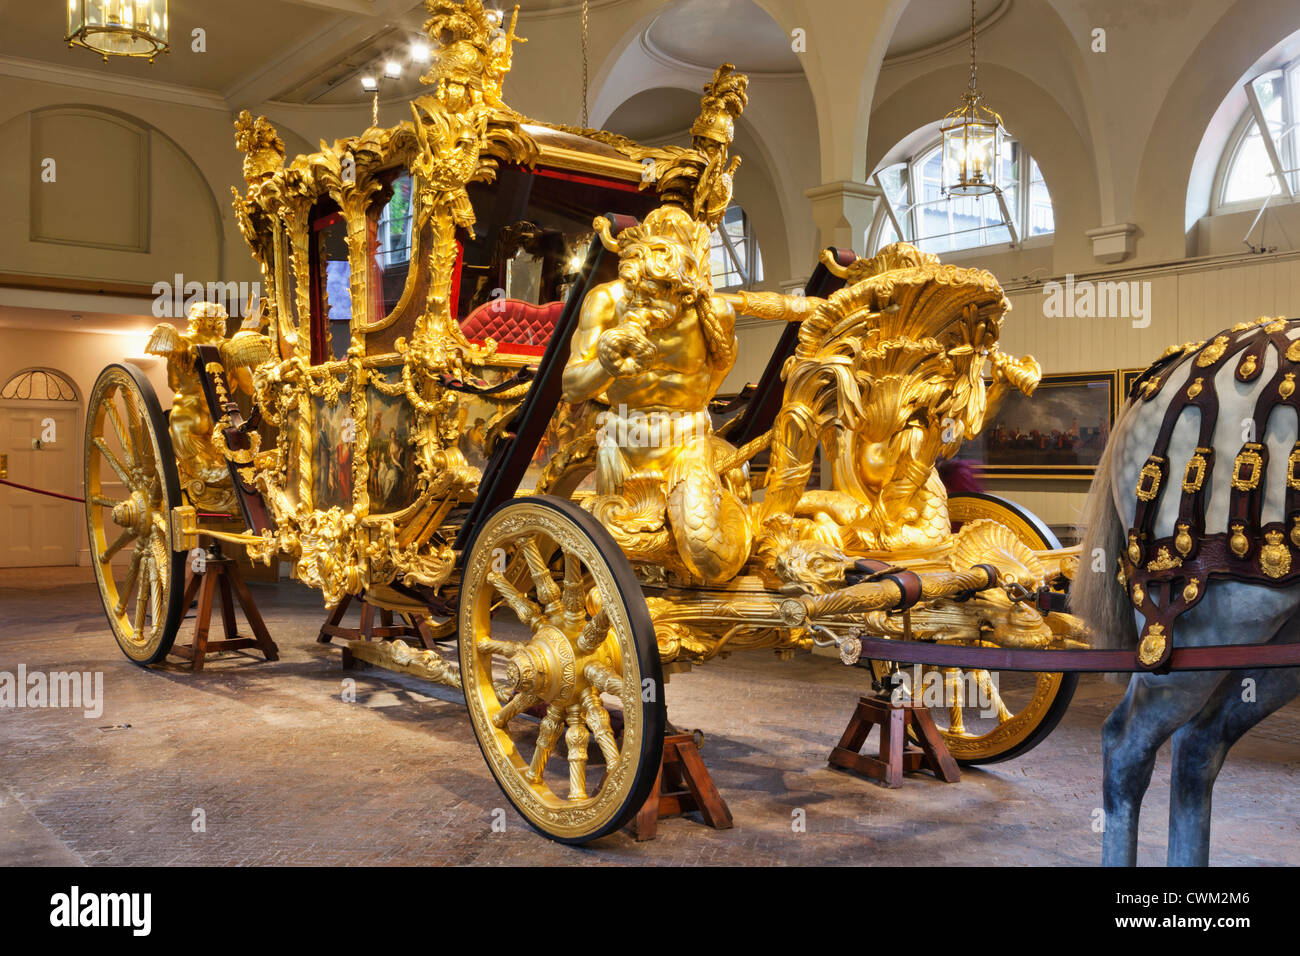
(286, 772)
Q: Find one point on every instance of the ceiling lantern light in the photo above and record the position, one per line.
(972, 139)
(420, 51)
(135, 28)
(369, 83)
(392, 69)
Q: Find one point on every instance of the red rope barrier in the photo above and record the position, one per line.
(40, 491)
(55, 494)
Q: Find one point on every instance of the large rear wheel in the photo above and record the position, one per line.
(552, 621)
(131, 488)
(991, 716)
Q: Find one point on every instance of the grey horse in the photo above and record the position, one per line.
(1205, 712)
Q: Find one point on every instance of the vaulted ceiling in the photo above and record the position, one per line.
(314, 51)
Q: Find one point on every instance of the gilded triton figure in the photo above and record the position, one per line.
(654, 345)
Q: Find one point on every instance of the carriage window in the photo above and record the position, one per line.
(391, 217)
(531, 237)
(331, 289)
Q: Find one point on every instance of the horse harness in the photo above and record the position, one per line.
(1166, 576)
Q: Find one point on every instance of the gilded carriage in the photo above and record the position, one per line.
(479, 387)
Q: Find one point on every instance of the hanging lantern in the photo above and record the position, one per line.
(136, 28)
(972, 139)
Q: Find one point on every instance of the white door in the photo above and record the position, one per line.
(35, 530)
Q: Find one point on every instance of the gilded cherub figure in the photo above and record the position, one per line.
(204, 476)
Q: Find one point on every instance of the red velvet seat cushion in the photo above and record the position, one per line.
(513, 322)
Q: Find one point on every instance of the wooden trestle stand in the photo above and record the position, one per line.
(897, 754)
(682, 786)
(368, 631)
(220, 575)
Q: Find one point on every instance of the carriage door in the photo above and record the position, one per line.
(39, 417)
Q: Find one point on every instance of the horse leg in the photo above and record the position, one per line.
(1201, 746)
(1152, 709)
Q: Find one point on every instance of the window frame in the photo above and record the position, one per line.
(1287, 146)
(1018, 226)
(750, 273)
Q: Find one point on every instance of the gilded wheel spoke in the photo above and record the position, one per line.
(513, 708)
(136, 420)
(527, 612)
(597, 719)
(989, 691)
(132, 575)
(548, 592)
(155, 600)
(547, 737)
(129, 448)
(105, 502)
(140, 603)
(574, 591)
(603, 679)
(128, 534)
(594, 633)
(490, 646)
(114, 462)
(161, 564)
(952, 691)
(576, 739)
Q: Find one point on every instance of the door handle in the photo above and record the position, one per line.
(36, 444)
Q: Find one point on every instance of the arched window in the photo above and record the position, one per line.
(916, 208)
(39, 385)
(1261, 159)
(735, 259)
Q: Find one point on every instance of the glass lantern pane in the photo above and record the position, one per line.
(970, 152)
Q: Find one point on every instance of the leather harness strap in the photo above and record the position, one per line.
(1166, 576)
(1215, 658)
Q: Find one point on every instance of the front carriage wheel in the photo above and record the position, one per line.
(131, 488)
(1018, 710)
(552, 622)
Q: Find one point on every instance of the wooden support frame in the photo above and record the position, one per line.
(368, 630)
(682, 786)
(897, 754)
(220, 577)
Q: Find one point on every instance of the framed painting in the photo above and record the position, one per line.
(1127, 376)
(390, 452)
(331, 453)
(1058, 432)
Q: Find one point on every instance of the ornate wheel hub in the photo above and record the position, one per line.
(136, 512)
(544, 666)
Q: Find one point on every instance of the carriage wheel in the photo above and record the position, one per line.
(1012, 712)
(131, 488)
(553, 621)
